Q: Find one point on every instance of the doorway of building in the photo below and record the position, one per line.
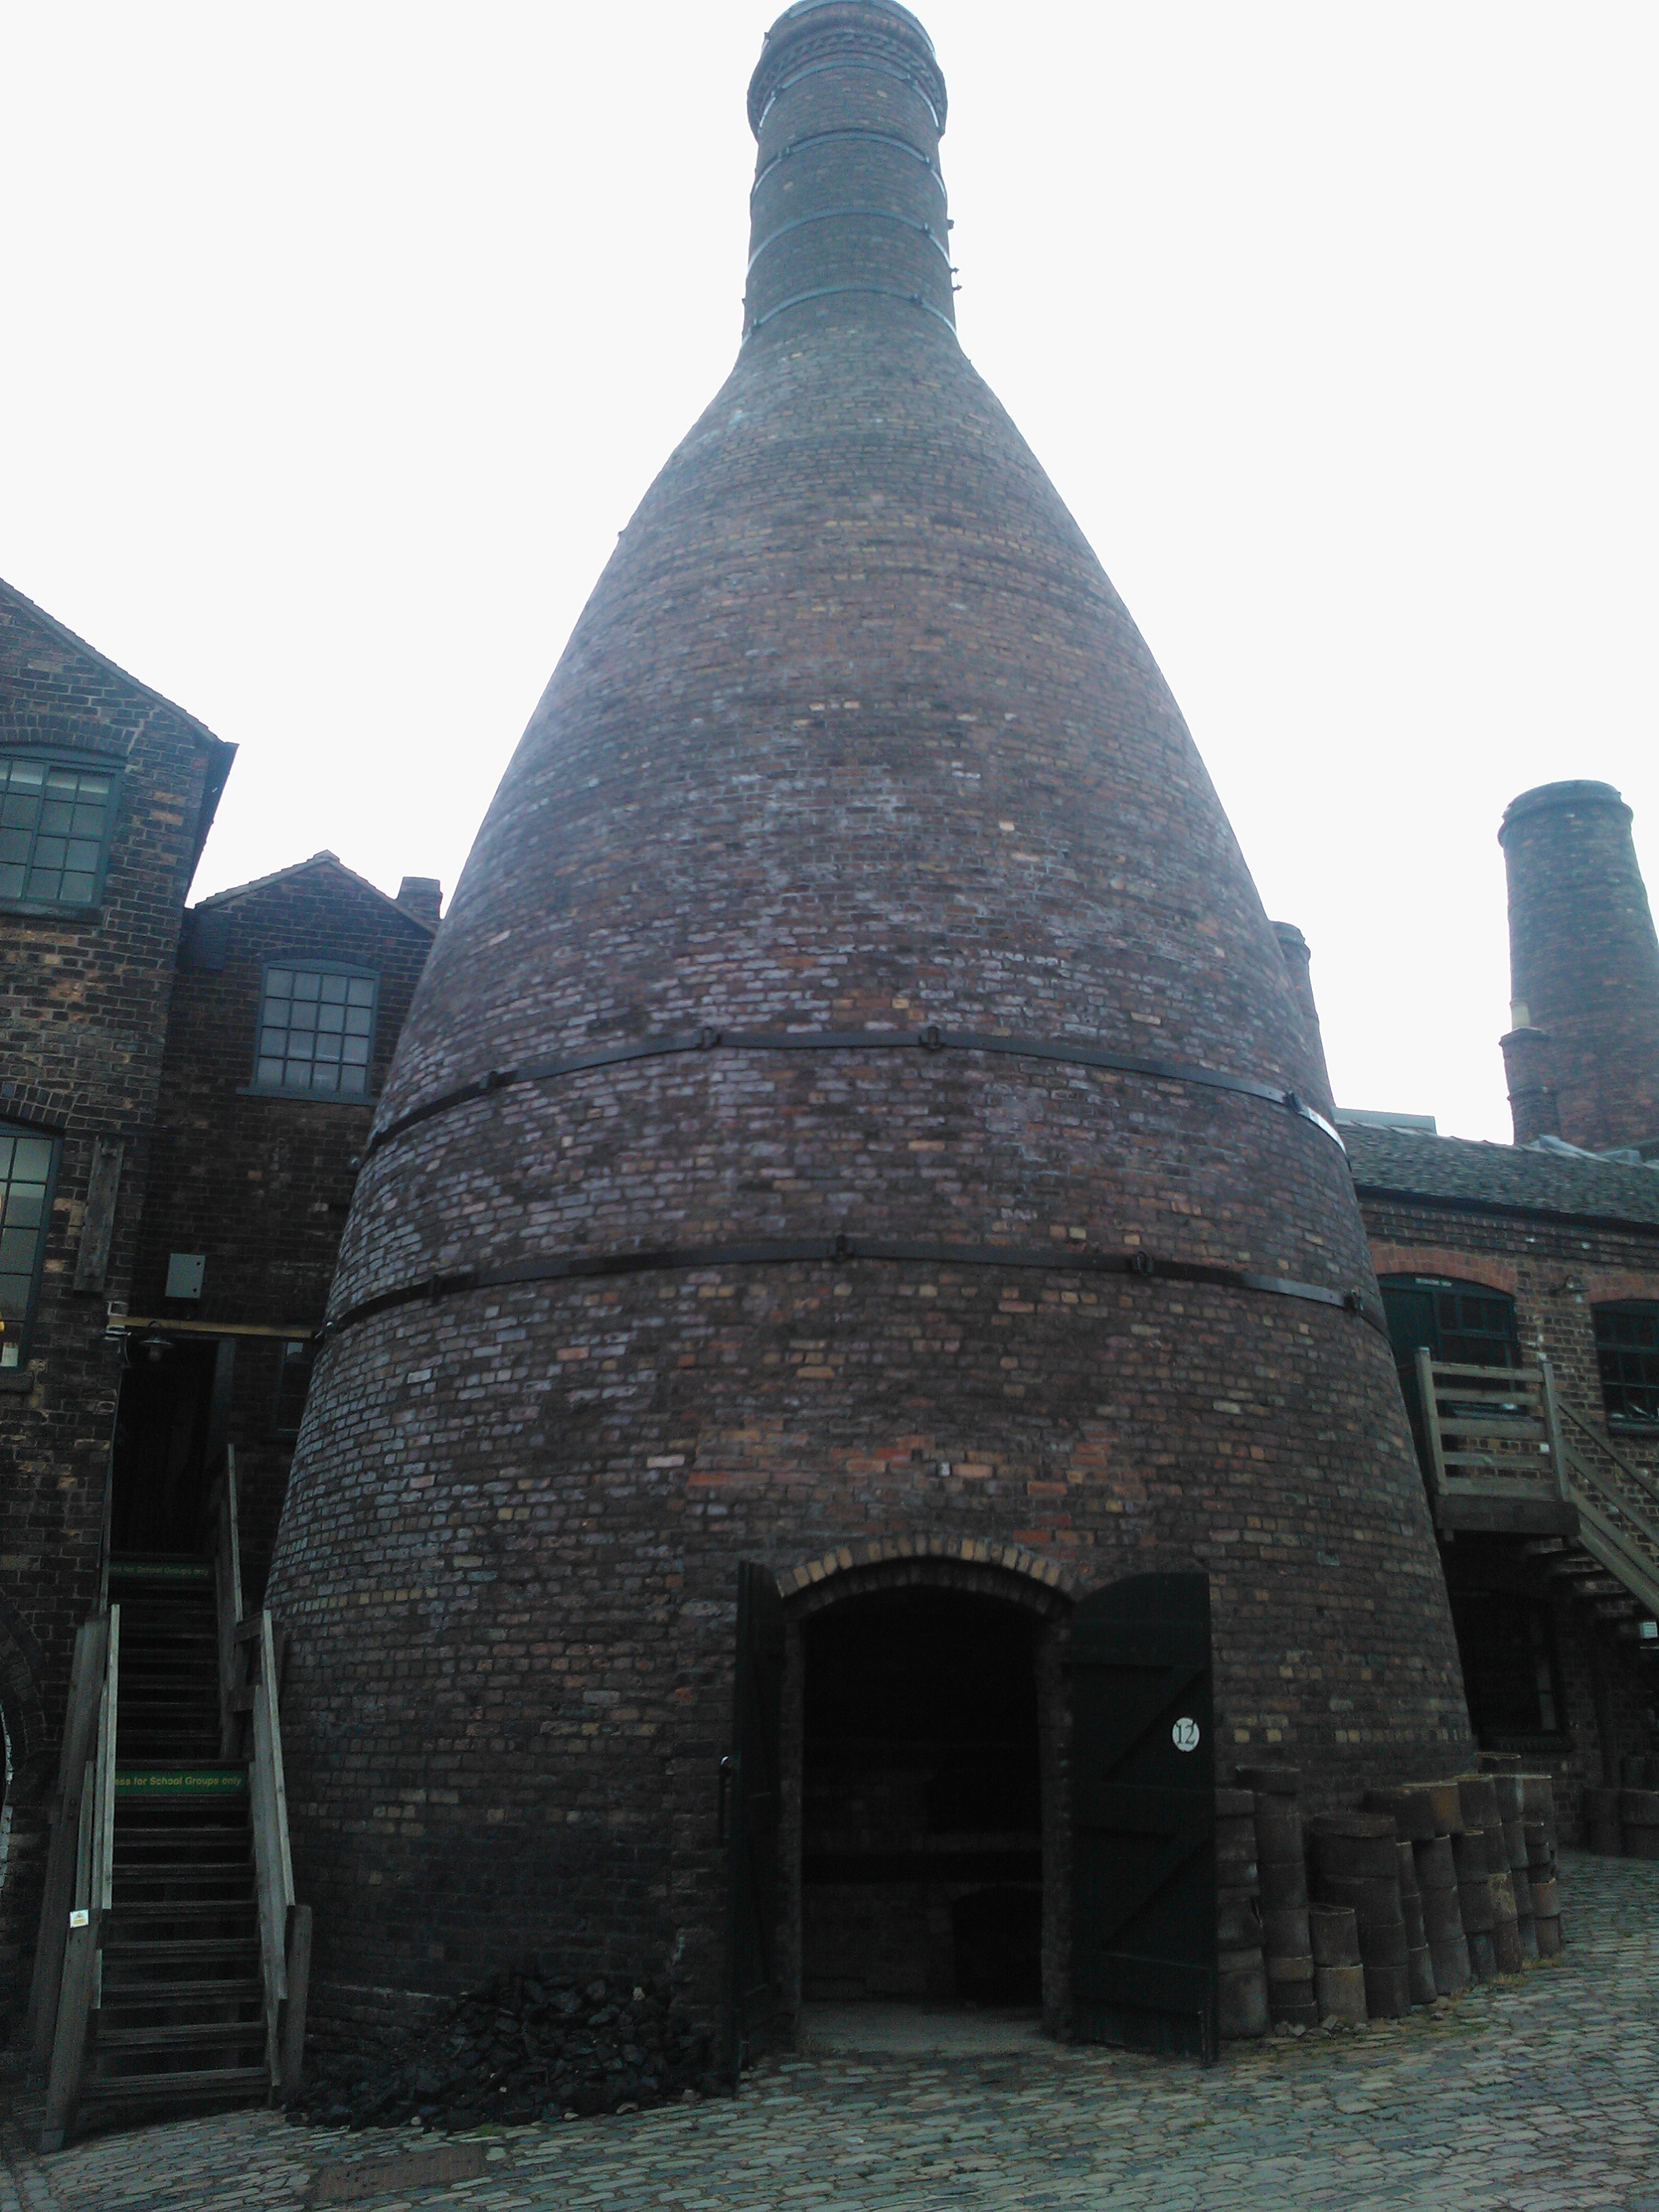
(921, 1800)
(169, 1428)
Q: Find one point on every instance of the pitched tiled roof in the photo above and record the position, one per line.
(323, 860)
(1448, 1171)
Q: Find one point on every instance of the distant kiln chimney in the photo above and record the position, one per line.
(1582, 1057)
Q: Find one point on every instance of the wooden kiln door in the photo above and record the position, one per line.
(1143, 1783)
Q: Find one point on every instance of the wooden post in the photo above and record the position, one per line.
(292, 2054)
(1425, 1391)
(1552, 1428)
(273, 1871)
(98, 1221)
(69, 2050)
(228, 1596)
(86, 1686)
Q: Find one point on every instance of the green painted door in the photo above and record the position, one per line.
(1143, 1768)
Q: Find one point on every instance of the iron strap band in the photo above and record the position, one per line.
(930, 1039)
(849, 62)
(836, 1250)
(872, 215)
(830, 137)
(835, 291)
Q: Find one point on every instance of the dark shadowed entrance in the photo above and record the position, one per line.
(922, 1800)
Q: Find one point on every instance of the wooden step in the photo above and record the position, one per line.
(131, 1919)
(179, 1950)
(209, 2082)
(237, 2033)
(138, 1996)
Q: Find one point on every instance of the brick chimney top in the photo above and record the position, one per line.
(1572, 797)
(424, 897)
(847, 103)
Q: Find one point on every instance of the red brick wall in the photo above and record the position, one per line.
(261, 1186)
(1557, 1272)
(85, 1010)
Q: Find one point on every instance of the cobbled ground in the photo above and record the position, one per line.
(1535, 2094)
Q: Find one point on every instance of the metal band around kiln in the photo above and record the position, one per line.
(826, 137)
(836, 1250)
(833, 215)
(930, 1039)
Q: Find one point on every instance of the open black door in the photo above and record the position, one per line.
(753, 1806)
(1142, 1793)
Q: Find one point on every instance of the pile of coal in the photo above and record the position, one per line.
(525, 2047)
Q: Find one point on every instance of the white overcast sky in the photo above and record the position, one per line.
(341, 340)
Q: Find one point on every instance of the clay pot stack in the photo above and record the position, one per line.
(1427, 1816)
(1537, 1826)
(1507, 1786)
(1282, 1865)
(1339, 1974)
(1484, 1864)
(1241, 1969)
(1356, 1858)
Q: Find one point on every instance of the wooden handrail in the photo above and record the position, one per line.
(228, 1594)
(79, 1738)
(273, 1868)
(94, 1864)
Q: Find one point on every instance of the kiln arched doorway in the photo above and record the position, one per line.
(920, 1826)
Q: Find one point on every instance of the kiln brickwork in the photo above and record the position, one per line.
(854, 743)
(1583, 1054)
(86, 996)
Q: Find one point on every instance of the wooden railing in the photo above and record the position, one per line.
(86, 1838)
(226, 1543)
(1501, 1436)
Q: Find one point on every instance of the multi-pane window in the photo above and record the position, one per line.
(54, 830)
(1627, 1353)
(26, 1161)
(316, 1030)
(1464, 1323)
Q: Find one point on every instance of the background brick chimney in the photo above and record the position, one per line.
(1582, 1058)
(424, 897)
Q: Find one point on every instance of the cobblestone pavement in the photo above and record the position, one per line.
(1529, 2095)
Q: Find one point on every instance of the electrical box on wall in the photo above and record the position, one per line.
(184, 1272)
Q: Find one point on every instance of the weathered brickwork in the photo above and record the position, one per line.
(853, 733)
(259, 1185)
(1560, 1237)
(1583, 1057)
(85, 1008)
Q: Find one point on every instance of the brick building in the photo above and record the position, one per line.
(257, 1142)
(174, 1184)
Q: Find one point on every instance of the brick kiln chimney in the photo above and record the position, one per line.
(1582, 1056)
(843, 1125)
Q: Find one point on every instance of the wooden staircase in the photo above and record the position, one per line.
(1505, 1456)
(176, 1980)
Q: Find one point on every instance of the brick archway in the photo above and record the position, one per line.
(1009, 1571)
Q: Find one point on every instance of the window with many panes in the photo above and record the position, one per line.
(55, 823)
(27, 1161)
(1627, 1353)
(316, 1030)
